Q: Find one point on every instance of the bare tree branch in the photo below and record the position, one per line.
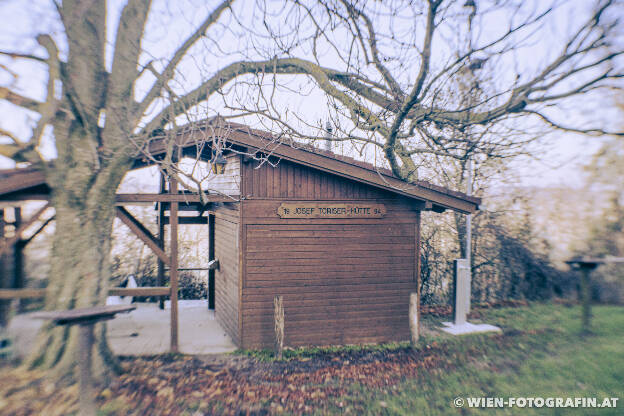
(19, 100)
(180, 53)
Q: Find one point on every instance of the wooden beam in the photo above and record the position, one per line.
(140, 291)
(211, 256)
(278, 317)
(48, 221)
(129, 199)
(173, 272)
(143, 233)
(188, 220)
(18, 257)
(22, 293)
(6, 244)
(19, 197)
(161, 240)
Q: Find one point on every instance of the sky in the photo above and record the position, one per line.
(561, 156)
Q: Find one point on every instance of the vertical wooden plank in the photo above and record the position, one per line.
(242, 248)
(317, 184)
(349, 185)
(269, 179)
(417, 253)
(355, 189)
(255, 178)
(283, 180)
(305, 181)
(246, 182)
(339, 188)
(275, 171)
(298, 182)
(86, 398)
(278, 315)
(312, 176)
(262, 173)
(415, 332)
(211, 256)
(309, 183)
(4, 277)
(18, 253)
(161, 241)
(173, 269)
(291, 180)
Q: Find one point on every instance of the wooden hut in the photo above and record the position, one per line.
(338, 239)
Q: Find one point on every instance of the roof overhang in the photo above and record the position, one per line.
(18, 183)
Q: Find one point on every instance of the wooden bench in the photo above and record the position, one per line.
(86, 318)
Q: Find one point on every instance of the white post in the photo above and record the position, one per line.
(462, 291)
(469, 230)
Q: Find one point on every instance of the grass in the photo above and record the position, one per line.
(547, 357)
(312, 352)
(540, 354)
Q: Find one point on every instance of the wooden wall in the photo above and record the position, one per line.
(343, 280)
(229, 182)
(296, 182)
(227, 277)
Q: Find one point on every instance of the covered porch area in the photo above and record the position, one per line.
(144, 331)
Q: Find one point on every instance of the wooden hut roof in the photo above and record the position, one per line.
(242, 138)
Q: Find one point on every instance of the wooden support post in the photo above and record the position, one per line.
(18, 256)
(39, 230)
(4, 277)
(142, 232)
(413, 318)
(211, 256)
(21, 293)
(161, 241)
(86, 398)
(85, 318)
(586, 297)
(414, 306)
(278, 309)
(173, 267)
(5, 245)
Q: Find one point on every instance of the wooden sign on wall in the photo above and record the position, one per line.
(329, 210)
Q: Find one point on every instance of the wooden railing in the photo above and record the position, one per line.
(115, 291)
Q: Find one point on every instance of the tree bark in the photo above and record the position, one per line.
(80, 268)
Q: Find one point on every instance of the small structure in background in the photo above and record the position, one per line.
(586, 265)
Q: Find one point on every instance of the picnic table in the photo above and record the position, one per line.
(86, 318)
(586, 265)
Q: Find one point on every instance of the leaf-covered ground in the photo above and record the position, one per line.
(389, 379)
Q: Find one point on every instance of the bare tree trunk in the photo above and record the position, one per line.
(80, 272)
